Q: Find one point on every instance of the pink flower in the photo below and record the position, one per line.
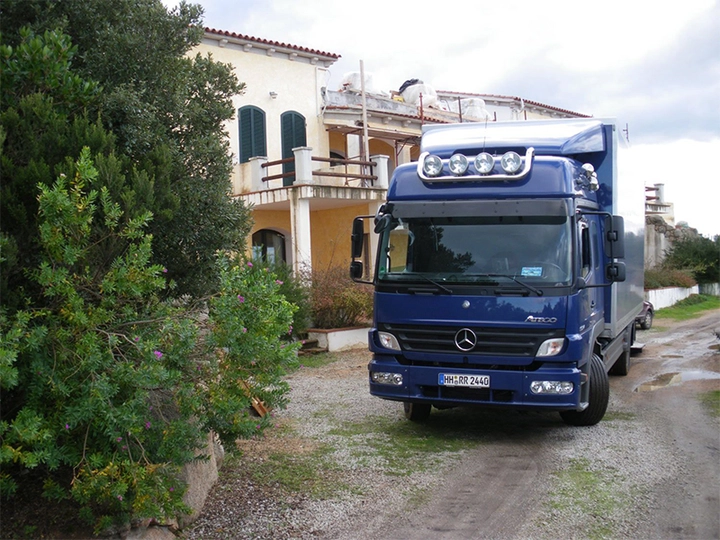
(278, 282)
(158, 354)
(250, 264)
(147, 425)
(136, 339)
(67, 426)
(241, 298)
(164, 270)
(119, 497)
(172, 489)
(244, 330)
(119, 439)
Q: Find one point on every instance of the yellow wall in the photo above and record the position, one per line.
(331, 231)
(277, 220)
(338, 143)
(379, 147)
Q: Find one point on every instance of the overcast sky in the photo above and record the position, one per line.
(654, 66)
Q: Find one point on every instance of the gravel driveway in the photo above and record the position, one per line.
(340, 464)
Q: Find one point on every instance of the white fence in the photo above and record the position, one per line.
(661, 298)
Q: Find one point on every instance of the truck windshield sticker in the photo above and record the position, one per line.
(531, 271)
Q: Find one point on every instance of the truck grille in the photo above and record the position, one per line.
(522, 342)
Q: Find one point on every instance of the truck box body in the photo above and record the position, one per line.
(497, 288)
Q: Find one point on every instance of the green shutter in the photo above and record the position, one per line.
(252, 133)
(293, 135)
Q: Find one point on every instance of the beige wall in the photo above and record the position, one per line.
(297, 84)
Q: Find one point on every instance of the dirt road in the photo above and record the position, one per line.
(668, 451)
(649, 470)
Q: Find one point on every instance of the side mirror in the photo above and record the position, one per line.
(615, 272)
(615, 237)
(357, 238)
(356, 270)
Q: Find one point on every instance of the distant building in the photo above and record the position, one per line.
(309, 158)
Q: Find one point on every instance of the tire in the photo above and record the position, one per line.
(646, 323)
(598, 400)
(417, 412)
(622, 365)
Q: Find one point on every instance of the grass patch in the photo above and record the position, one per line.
(593, 496)
(399, 446)
(619, 415)
(711, 402)
(317, 360)
(312, 473)
(689, 308)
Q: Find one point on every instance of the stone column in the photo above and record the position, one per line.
(256, 173)
(303, 165)
(300, 232)
(381, 170)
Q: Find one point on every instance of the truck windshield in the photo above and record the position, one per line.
(531, 249)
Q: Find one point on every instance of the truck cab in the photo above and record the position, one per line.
(505, 273)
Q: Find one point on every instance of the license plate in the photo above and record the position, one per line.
(472, 381)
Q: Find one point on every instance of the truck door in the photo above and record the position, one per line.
(591, 271)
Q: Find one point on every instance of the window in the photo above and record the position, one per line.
(586, 249)
(269, 246)
(292, 125)
(252, 133)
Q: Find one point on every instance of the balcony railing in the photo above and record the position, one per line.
(303, 168)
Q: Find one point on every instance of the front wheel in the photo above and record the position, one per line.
(417, 412)
(598, 399)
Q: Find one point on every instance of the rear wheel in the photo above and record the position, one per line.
(598, 398)
(621, 365)
(646, 323)
(417, 412)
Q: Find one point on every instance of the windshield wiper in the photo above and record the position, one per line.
(516, 280)
(438, 285)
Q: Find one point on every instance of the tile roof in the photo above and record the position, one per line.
(272, 43)
(515, 98)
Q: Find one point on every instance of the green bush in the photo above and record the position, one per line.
(296, 291)
(337, 301)
(107, 389)
(657, 278)
(698, 255)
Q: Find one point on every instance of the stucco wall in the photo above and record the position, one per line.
(297, 88)
(661, 298)
(331, 235)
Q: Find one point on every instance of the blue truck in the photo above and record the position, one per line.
(509, 269)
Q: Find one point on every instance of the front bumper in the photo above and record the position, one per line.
(508, 388)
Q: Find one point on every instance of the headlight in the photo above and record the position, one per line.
(484, 163)
(379, 377)
(388, 341)
(562, 388)
(511, 162)
(432, 165)
(458, 164)
(551, 347)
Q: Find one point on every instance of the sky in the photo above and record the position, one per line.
(653, 66)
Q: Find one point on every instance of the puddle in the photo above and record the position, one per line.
(669, 379)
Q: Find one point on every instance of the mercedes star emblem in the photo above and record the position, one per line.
(465, 340)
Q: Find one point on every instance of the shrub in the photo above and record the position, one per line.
(698, 255)
(107, 389)
(337, 301)
(294, 289)
(657, 278)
